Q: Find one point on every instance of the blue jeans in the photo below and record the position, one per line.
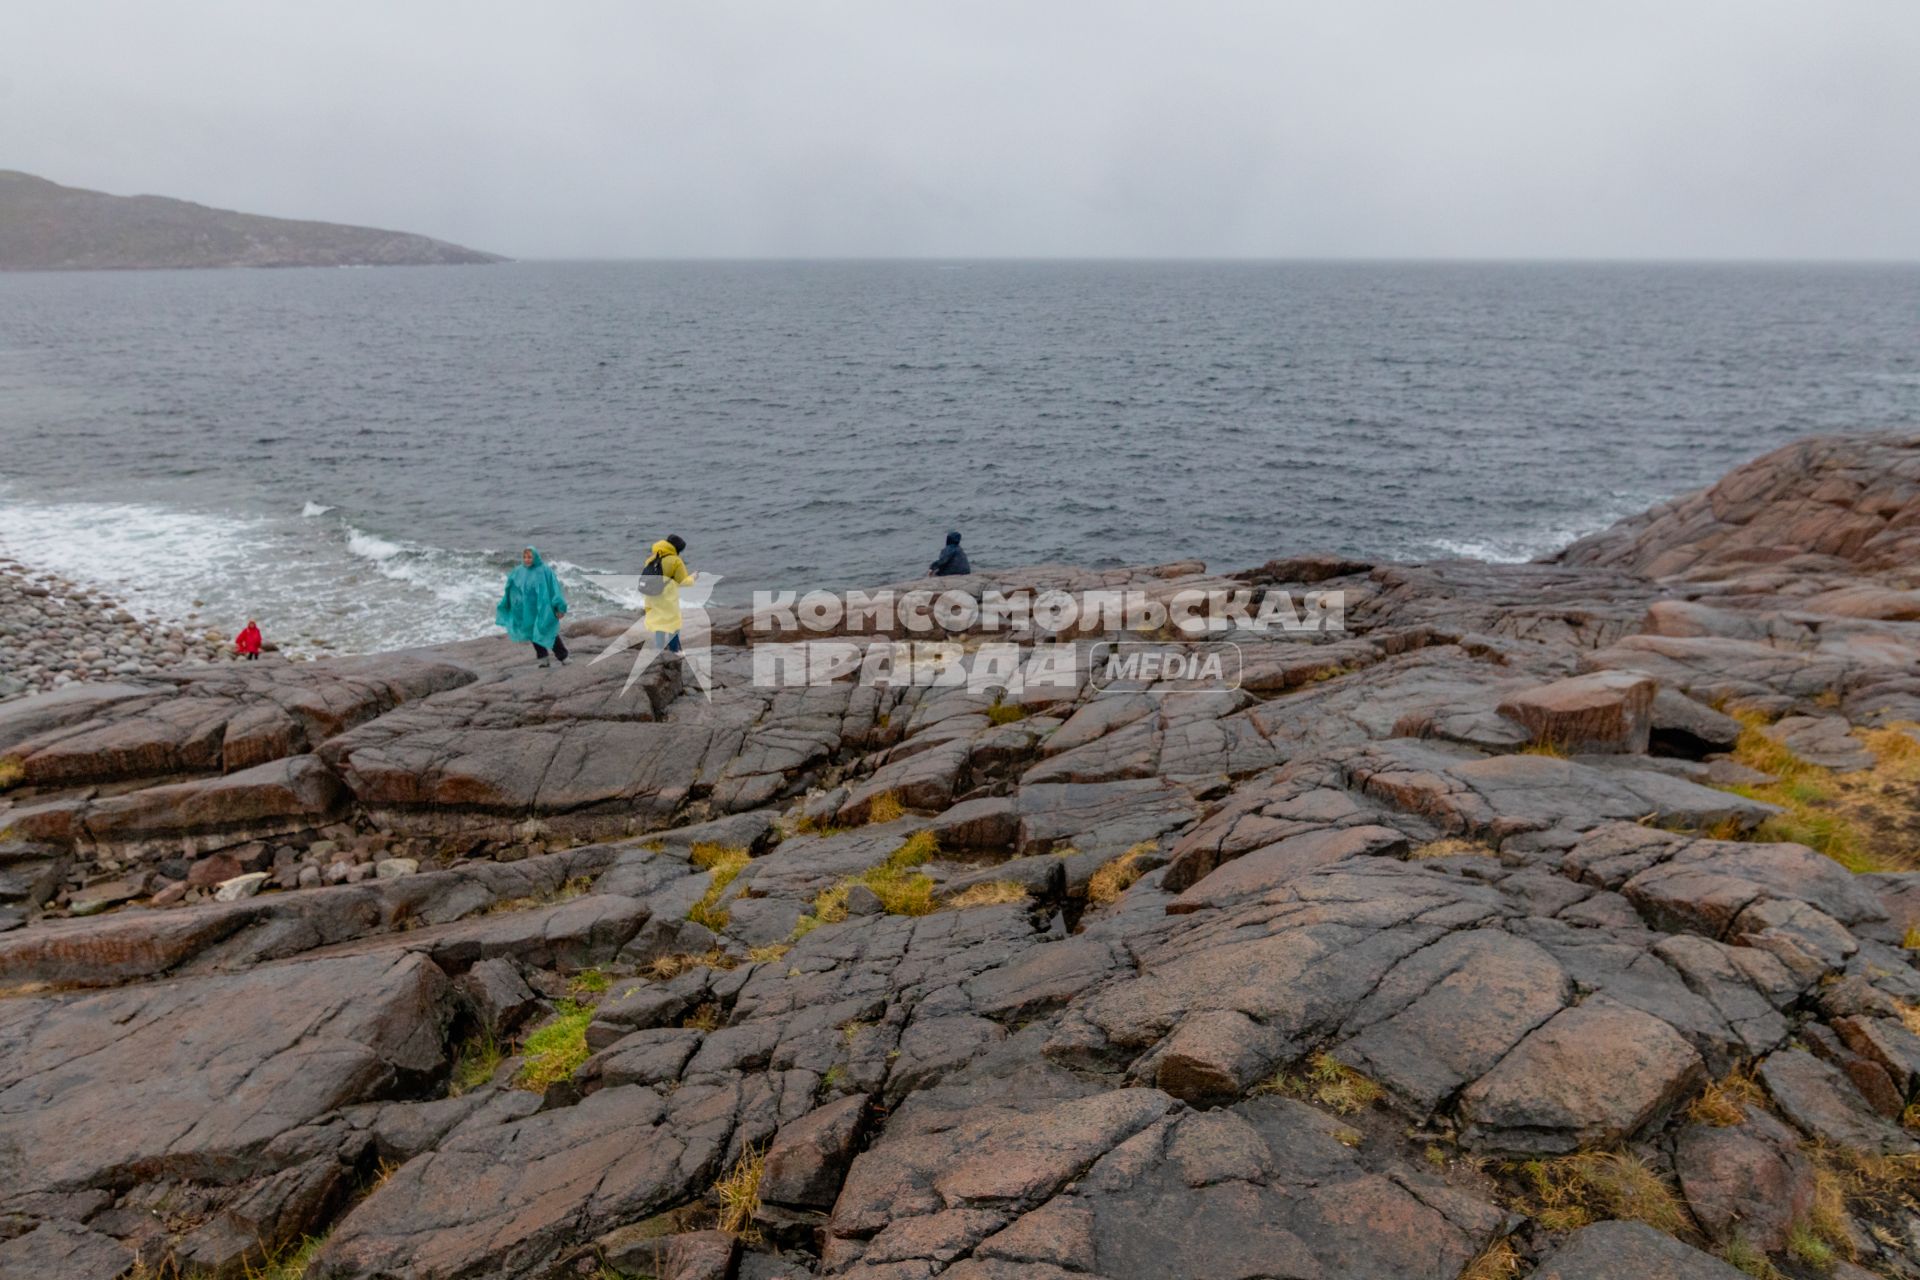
(668, 640)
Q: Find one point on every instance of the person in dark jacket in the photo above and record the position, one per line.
(952, 559)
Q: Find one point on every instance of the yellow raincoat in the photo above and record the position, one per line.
(663, 610)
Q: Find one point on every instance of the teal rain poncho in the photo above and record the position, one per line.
(531, 608)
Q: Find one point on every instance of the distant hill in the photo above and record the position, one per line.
(47, 227)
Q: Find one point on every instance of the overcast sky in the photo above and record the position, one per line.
(1430, 128)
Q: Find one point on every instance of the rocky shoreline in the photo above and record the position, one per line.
(54, 632)
(1554, 920)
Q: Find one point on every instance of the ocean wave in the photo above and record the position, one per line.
(314, 510)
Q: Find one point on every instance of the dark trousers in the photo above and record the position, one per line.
(559, 649)
(254, 656)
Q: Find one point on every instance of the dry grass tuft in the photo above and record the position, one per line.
(1911, 940)
(1552, 749)
(555, 1050)
(568, 891)
(1568, 1193)
(1118, 876)
(739, 1191)
(769, 953)
(885, 807)
(667, 967)
(1844, 1180)
(1328, 1082)
(919, 848)
(1860, 819)
(1498, 1261)
(902, 891)
(723, 863)
(810, 825)
(829, 907)
(1454, 847)
(705, 1017)
(991, 894)
(11, 772)
(1723, 1103)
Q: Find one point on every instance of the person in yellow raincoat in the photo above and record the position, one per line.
(660, 583)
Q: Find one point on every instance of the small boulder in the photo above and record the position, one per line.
(1591, 1075)
(394, 868)
(1823, 1104)
(808, 1159)
(1604, 712)
(240, 887)
(1616, 1250)
(1749, 1180)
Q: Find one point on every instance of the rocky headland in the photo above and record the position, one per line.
(48, 227)
(1552, 920)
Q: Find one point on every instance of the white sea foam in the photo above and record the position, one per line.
(314, 510)
(1531, 544)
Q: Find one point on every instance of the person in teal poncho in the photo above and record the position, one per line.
(532, 606)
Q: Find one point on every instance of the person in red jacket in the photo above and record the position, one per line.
(247, 643)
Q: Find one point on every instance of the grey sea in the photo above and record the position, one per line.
(353, 456)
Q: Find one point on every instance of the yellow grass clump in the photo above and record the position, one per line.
(1454, 847)
(902, 890)
(1723, 1103)
(1498, 1261)
(723, 863)
(1859, 819)
(1328, 1082)
(885, 807)
(991, 894)
(739, 1192)
(1567, 1193)
(1118, 876)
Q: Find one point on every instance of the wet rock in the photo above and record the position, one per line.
(1593, 1074)
(1749, 1180)
(1685, 727)
(496, 995)
(1821, 1103)
(64, 1249)
(808, 1158)
(1264, 870)
(1612, 1250)
(203, 1073)
(1450, 1013)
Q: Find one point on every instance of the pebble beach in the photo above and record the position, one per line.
(54, 632)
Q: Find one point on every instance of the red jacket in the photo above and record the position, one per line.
(247, 641)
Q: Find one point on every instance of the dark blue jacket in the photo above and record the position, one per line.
(952, 559)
